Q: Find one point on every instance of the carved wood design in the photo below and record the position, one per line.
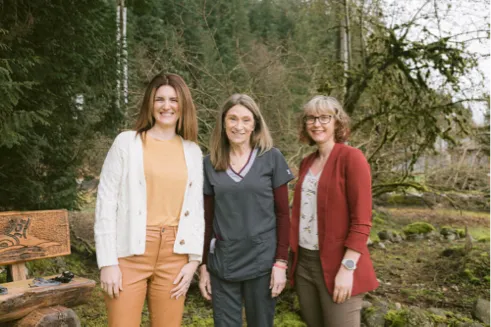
(31, 235)
(22, 299)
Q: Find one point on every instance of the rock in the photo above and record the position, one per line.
(415, 237)
(398, 306)
(369, 242)
(460, 232)
(418, 228)
(383, 235)
(413, 316)
(374, 316)
(481, 310)
(432, 235)
(469, 324)
(381, 245)
(455, 288)
(438, 312)
(396, 238)
(446, 230)
(366, 304)
(418, 317)
(450, 237)
(390, 235)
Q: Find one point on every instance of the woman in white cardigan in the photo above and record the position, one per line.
(149, 223)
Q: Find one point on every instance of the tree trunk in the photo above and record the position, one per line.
(344, 45)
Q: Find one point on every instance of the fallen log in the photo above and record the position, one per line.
(23, 299)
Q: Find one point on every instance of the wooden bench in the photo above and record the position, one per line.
(26, 236)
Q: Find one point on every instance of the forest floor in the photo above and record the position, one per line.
(411, 273)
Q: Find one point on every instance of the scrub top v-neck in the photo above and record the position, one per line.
(239, 176)
(244, 221)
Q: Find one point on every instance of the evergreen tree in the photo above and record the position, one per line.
(58, 68)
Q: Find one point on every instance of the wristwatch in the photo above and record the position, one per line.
(349, 264)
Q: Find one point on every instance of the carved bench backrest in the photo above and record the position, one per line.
(31, 235)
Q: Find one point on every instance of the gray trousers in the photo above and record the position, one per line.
(316, 304)
(227, 302)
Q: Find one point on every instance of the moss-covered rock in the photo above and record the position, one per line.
(460, 232)
(374, 316)
(482, 311)
(447, 230)
(484, 239)
(412, 316)
(418, 228)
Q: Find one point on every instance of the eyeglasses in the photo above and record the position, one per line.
(310, 120)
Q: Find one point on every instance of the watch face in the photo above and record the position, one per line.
(350, 264)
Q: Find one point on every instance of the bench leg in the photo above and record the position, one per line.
(56, 316)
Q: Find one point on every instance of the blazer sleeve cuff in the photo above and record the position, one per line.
(195, 257)
(357, 243)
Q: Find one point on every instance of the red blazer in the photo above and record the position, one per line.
(344, 215)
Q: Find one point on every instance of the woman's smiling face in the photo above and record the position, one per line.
(239, 124)
(166, 106)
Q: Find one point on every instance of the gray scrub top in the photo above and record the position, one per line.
(244, 224)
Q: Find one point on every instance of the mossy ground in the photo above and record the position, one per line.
(411, 273)
(434, 273)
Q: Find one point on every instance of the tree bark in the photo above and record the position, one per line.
(345, 45)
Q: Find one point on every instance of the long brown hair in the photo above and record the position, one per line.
(187, 124)
(219, 143)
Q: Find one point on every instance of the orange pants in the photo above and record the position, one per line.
(149, 275)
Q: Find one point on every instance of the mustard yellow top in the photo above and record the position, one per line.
(166, 177)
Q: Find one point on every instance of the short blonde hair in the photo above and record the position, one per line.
(219, 144)
(321, 104)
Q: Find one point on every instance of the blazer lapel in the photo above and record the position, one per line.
(322, 192)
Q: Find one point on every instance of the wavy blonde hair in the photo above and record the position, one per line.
(219, 143)
(321, 104)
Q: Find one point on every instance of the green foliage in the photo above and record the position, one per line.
(50, 55)
(418, 228)
(460, 232)
(484, 239)
(396, 318)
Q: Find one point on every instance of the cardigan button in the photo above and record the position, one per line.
(182, 242)
(190, 184)
(186, 213)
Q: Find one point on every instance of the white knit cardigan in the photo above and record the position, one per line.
(121, 208)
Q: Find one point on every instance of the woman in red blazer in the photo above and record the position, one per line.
(331, 221)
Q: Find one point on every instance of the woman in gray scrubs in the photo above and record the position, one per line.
(247, 217)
